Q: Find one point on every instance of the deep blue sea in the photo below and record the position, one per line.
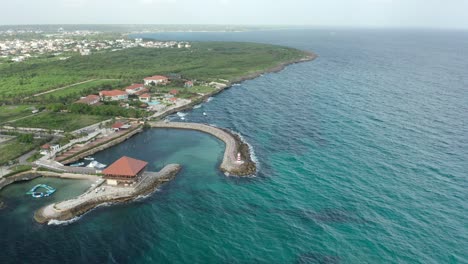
(363, 158)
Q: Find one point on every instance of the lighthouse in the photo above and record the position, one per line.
(238, 157)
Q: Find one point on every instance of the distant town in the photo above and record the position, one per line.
(63, 43)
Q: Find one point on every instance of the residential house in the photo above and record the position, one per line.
(145, 98)
(134, 88)
(173, 92)
(117, 126)
(188, 84)
(156, 79)
(113, 95)
(89, 100)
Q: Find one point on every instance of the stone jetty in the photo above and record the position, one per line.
(102, 194)
(234, 145)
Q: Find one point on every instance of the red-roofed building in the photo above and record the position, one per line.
(117, 126)
(145, 97)
(125, 170)
(89, 100)
(156, 79)
(142, 91)
(113, 95)
(188, 84)
(174, 92)
(173, 99)
(134, 88)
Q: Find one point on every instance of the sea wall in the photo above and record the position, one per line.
(70, 209)
(234, 145)
(104, 146)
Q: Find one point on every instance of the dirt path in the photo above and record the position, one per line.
(71, 85)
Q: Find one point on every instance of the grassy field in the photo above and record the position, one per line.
(83, 89)
(204, 61)
(59, 121)
(11, 112)
(14, 149)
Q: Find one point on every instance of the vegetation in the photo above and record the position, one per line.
(60, 121)
(18, 169)
(73, 93)
(14, 149)
(204, 61)
(11, 112)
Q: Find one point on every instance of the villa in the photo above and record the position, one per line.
(156, 79)
(113, 95)
(134, 88)
(125, 171)
(145, 98)
(89, 100)
(188, 84)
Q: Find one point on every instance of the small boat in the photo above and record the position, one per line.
(182, 118)
(89, 158)
(204, 113)
(95, 164)
(78, 164)
(181, 114)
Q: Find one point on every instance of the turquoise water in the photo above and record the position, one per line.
(362, 156)
(154, 103)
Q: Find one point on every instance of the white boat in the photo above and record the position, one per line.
(182, 118)
(204, 113)
(181, 114)
(89, 158)
(79, 164)
(95, 164)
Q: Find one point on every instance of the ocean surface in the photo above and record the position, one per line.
(363, 158)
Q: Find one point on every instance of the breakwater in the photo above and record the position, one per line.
(234, 145)
(94, 197)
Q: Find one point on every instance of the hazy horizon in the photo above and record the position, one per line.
(435, 14)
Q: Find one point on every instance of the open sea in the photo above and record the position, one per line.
(363, 158)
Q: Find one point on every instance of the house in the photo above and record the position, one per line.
(173, 99)
(134, 88)
(142, 91)
(145, 98)
(188, 84)
(156, 79)
(117, 126)
(125, 170)
(89, 100)
(174, 92)
(47, 149)
(113, 95)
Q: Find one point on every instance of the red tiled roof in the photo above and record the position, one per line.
(88, 99)
(142, 91)
(45, 146)
(118, 125)
(134, 86)
(173, 91)
(125, 166)
(113, 93)
(173, 99)
(156, 78)
(145, 96)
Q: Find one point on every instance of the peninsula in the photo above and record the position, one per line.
(90, 101)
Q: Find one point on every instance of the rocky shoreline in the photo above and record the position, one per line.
(67, 210)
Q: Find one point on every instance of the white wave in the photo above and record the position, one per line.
(209, 99)
(197, 106)
(76, 218)
(181, 114)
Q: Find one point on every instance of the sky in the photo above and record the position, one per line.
(335, 13)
